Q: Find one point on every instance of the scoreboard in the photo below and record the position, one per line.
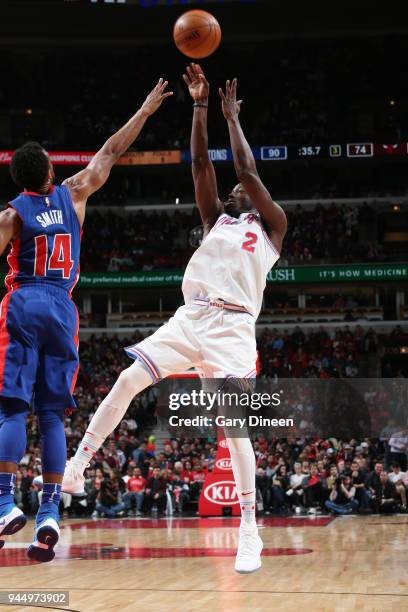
(153, 3)
(326, 151)
(279, 153)
(266, 153)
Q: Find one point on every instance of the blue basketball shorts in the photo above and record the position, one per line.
(39, 346)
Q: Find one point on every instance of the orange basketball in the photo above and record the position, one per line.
(197, 34)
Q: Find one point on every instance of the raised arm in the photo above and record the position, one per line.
(271, 213)
(205, 182)
(10, 225)
(95, 175)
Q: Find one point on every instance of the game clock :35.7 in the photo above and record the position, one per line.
(310, 151)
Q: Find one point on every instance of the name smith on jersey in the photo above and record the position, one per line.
(51, 217)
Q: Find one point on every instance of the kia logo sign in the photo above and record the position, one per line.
(223, 443)
(224, 464)
(5, 157)
(223, 493)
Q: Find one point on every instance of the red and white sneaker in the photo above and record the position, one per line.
(250, 546)
(46, 538)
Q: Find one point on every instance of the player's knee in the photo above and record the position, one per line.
(50, 418)
(125, 380)
(134, 379)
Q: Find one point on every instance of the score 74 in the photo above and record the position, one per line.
(365, 149)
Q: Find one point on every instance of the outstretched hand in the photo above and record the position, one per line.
(196, 82)
(156, 97)
(230, 105)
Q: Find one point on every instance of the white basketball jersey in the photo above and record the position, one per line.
(232, 263)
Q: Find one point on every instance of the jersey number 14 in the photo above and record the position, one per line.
(60, 258)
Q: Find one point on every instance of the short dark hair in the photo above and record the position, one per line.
(30, 166)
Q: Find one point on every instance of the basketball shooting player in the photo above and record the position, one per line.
(223, 286)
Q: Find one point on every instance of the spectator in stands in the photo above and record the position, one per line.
(295, 491)
(397, 477)
(109, 501)
(332, 478)
(398, 448)
(280, 485)
(361, 495)
(262, 483)
(342, 497)
(28, 493)
(314, 491)
(363, 464)
(387, 495)
(134, 497)
(155, 492)
(350, 367)
(197, 479)
(181, 492)
(373, 485)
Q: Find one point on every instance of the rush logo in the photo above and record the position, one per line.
(223, 493)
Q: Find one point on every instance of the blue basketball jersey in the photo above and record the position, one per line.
(48, 248)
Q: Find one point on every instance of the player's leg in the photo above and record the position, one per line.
(243, 467)
(18, 366)
(111, 411)
(53, 460)
(171, 349)
(56, 376)
(13, 441)
(231, 358)
(243, 464)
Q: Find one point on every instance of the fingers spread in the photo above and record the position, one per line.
(186, 79)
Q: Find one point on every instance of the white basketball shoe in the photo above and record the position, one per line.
(250, 546)
(11, 521)
(73, 481)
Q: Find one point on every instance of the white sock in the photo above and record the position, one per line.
(243, 467)
(111, 411)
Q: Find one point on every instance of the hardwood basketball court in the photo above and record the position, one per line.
(331, 565)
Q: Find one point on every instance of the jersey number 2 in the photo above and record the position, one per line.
(60, 258)
(248, 245)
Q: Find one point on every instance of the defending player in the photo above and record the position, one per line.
(39, 321)
(223, 287)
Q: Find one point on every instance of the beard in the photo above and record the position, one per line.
(233, 210)
(236, 209)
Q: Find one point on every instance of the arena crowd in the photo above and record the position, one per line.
(131, 477)
(161, 240)
(312, 80)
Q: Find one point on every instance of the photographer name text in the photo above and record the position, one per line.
(222, 421)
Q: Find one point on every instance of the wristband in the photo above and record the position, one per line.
(200, 104)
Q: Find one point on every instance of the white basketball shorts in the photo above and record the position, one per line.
(217, 342)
